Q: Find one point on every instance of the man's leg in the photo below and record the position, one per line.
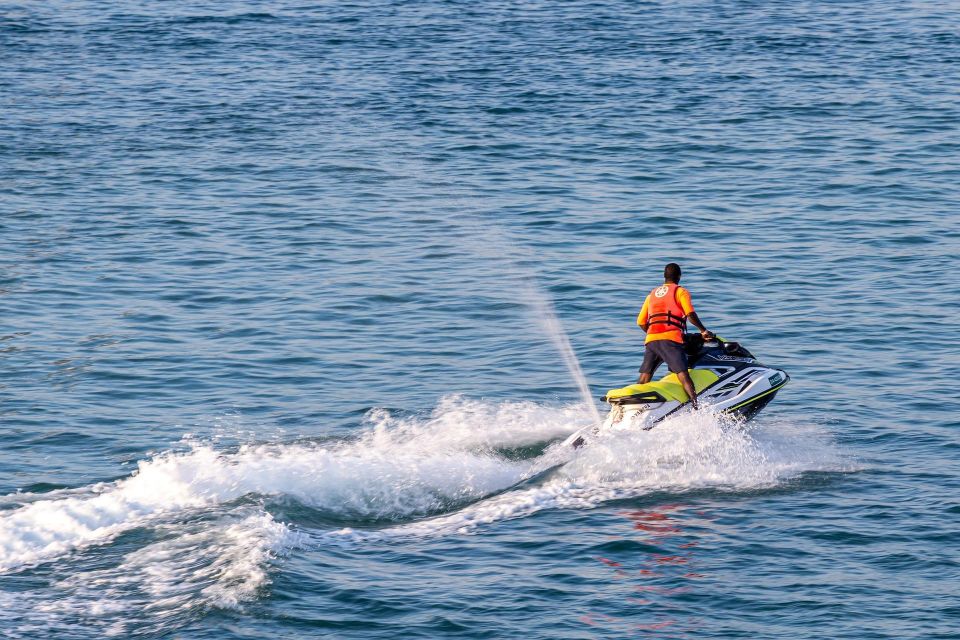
(675, 356)
(687, 383)
(650, 363)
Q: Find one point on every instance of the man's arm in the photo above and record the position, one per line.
(692, 317)
(683, 297)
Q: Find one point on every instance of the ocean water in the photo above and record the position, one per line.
(294, 296)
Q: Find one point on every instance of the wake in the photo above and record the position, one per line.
(446, 473)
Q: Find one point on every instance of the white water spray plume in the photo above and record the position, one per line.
(547, 317)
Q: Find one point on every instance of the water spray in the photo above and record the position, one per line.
(550, 323)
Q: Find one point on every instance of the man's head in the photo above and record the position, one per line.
(671, 273)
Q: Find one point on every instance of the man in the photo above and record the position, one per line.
(664, 317)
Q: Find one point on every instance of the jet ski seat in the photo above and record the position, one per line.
(668, 388)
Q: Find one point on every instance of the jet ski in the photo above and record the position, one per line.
(727, 378)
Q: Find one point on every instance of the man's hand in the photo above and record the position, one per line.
(707, 335)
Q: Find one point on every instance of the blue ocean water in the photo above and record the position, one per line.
(276, 282)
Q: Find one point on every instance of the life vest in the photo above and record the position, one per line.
(664, 312)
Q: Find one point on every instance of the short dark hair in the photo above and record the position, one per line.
(671, 272)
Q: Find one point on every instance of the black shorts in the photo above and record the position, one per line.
(659, 351)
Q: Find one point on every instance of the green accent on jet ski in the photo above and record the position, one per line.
(668, 386)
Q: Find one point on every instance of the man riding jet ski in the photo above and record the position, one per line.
(727, 378)
(664, 319)
(723, 372)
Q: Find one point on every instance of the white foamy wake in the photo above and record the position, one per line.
(204, 538)
(398, 468)
(192, 567)
(692, 451)
(460, 423)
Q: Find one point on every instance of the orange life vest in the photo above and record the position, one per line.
(664, 312)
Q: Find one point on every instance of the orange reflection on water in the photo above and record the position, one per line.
(645, 573)
(654, 626)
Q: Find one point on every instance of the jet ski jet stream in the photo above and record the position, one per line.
(727, 378)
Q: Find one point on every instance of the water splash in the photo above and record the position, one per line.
(518, 260)
(398, 467)
(695, 450)
(443, 465)
(551, 324)
(188, 568)
(207, 540)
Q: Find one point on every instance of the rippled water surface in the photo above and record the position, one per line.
(283, 285)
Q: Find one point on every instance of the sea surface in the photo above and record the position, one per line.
(286, 290)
